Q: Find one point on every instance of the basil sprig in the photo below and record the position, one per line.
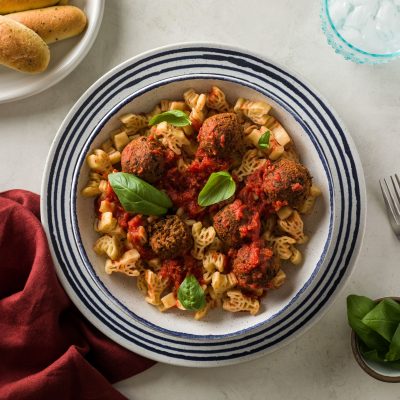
(220, 186)
(377, 326)
(384, 318)
(357, 308)
(173, 117)
(191, 295)
(137, 195)
(263, 142)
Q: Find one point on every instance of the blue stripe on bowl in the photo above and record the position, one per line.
(330, 289)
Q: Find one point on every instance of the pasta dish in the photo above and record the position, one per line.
(201, 201)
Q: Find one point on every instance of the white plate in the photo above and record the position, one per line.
(65, 56)
(113, 303)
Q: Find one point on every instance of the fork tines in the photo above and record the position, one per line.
(391, 194)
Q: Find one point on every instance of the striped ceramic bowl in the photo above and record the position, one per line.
(113, 304)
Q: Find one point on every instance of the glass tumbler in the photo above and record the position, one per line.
(363, 31)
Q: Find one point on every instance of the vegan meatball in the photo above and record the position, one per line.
(254, 266)
(170, 237)
(144, 157)
(287, 181)
(220, 136)
(236, 223)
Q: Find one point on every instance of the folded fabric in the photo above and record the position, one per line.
(47, 348)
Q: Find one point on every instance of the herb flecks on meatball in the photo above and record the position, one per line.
(254, 266)
(220, 136)
(145, 158)
(170, 237)
(287, 182)
(237, 223)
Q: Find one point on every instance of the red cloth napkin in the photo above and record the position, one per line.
(47, 349)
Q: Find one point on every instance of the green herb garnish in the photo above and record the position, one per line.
(394, 349)
(173, 117)
(377, 326)
(137, 195)
(220, 186)
(263, 142)
(357, 308)
(384, 318)
(191, 295)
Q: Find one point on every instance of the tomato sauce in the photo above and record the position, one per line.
(137, 236)
(184, 188)
(251, 230)
(118, 211)
(253, 192)
(177, 269)
(296, 187)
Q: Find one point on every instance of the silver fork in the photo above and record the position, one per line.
(391, 195)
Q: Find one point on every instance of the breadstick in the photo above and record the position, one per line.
(53, 23)
(21, 48)
(9, 6)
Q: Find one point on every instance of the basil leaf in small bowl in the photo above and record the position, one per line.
(375, 339)
(138, 196)
(219, 187)
(191, 295)
(357, 308)
(173, 117)
(394, 349)
(384, 318)
(263, 142)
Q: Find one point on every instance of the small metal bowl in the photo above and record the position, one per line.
(372, 368)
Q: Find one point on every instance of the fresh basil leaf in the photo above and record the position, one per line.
(384, 318)
(374, 355)
(191, 295)
(393, 364)
(220, 186)
(173, 117)
(138, 196)
(263, 142)
(357, 308)
(394, 350)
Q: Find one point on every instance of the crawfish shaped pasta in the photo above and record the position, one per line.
(170, 136)
(109, 246)
(129, 264)
(202, 237)
(293, 225)
(236, 301)
(156, 285)
(251, 161)
(216, 100)
(213, 261)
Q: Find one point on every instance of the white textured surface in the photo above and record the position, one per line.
(319, 365)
